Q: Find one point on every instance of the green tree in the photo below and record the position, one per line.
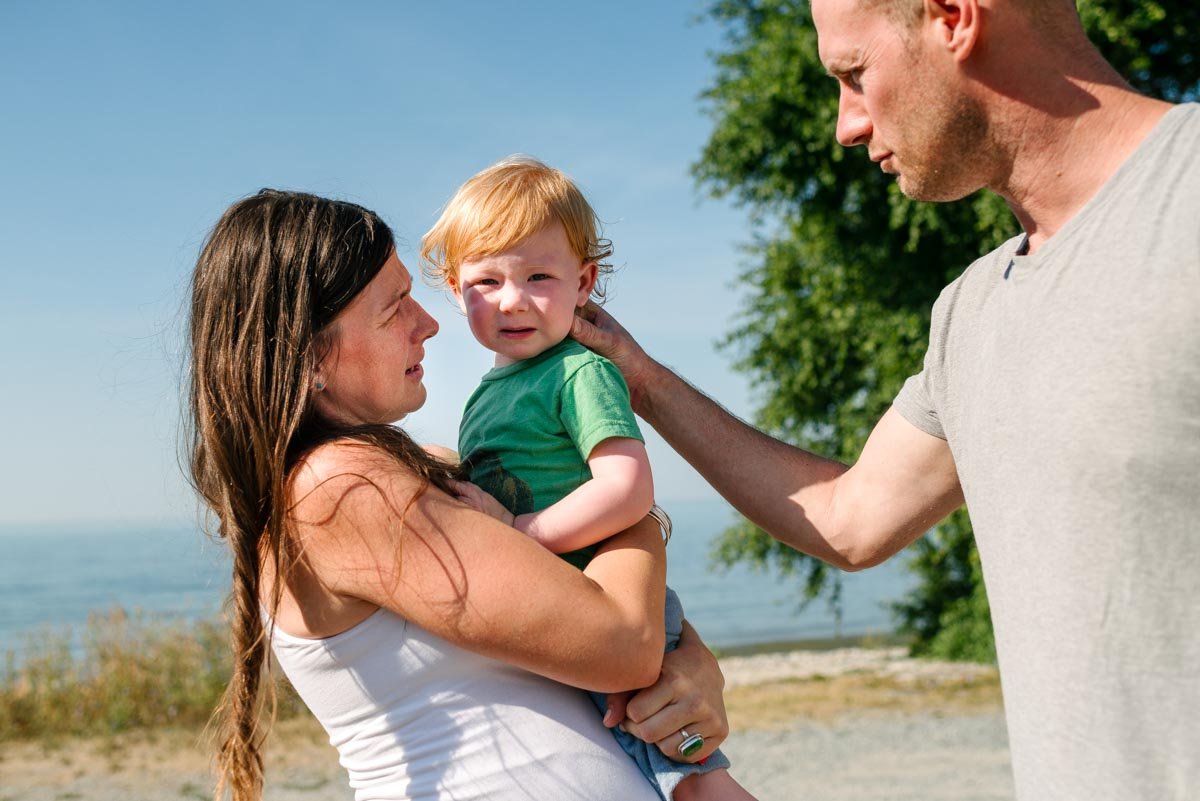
(842, 269)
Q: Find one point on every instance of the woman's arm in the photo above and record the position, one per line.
(370, 531)
(687, 695)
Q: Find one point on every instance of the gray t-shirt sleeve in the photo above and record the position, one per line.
(915, 402)
(915, 405)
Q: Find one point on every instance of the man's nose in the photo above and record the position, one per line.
(853, 122)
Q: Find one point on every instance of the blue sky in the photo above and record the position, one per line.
(130, 126)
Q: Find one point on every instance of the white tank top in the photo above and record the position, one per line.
(414, 717)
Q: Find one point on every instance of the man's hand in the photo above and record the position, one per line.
(687, 695)
(596, 329)
(481, 501)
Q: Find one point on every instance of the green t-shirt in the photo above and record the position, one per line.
(529, 427)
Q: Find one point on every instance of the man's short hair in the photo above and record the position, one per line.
(907, 13)
(904, 13)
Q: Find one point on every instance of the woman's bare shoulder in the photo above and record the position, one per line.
(336, 473)
(447, 455)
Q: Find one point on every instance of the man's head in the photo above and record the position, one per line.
(918, 81)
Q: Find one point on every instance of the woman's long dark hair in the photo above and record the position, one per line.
(273, 275)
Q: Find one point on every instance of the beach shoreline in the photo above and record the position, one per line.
(842, 723)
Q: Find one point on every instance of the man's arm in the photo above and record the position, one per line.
(903, 483)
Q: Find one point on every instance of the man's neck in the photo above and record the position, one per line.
(1058, 163)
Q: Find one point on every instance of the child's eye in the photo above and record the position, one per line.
(540, 277)
(486, 282)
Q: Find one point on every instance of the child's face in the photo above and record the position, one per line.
(521, 301)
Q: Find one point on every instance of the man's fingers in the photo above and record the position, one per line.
(589, 311)
(585, 332)
(581, 330)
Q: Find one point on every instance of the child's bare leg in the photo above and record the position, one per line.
(716, 785)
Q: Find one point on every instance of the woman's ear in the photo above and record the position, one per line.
(324, 346)
(589, 271)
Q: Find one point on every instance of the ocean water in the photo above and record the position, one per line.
(56, 576)
(741, 606)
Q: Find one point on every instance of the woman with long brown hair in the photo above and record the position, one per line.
(427, 638)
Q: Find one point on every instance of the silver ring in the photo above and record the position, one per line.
(691, 743)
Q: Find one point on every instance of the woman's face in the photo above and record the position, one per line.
(372, 372)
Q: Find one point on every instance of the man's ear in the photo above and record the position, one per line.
(589, 271)
(955, 24)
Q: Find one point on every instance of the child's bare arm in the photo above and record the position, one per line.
(620, 493)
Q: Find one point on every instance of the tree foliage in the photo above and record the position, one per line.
(843, 269)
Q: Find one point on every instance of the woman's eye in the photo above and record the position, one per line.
(399, 310)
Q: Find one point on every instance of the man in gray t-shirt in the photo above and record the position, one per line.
(1060, 396)
(1067, 386)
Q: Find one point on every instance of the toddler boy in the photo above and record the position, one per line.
(548, 439)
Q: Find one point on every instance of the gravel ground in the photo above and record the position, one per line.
(843, 725)
(883, 757)
(932, 746)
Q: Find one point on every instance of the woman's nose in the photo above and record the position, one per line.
(427, 326)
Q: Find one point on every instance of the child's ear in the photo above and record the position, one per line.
(588, 273)
(456, 288)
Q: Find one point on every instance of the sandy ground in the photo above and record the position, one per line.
(839, 725)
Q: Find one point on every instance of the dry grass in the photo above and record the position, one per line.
(125, 673)
(777, 704)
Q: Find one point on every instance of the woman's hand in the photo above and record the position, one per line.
(482, 501)
(687, 696)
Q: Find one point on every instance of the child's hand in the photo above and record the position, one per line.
(481, 501)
